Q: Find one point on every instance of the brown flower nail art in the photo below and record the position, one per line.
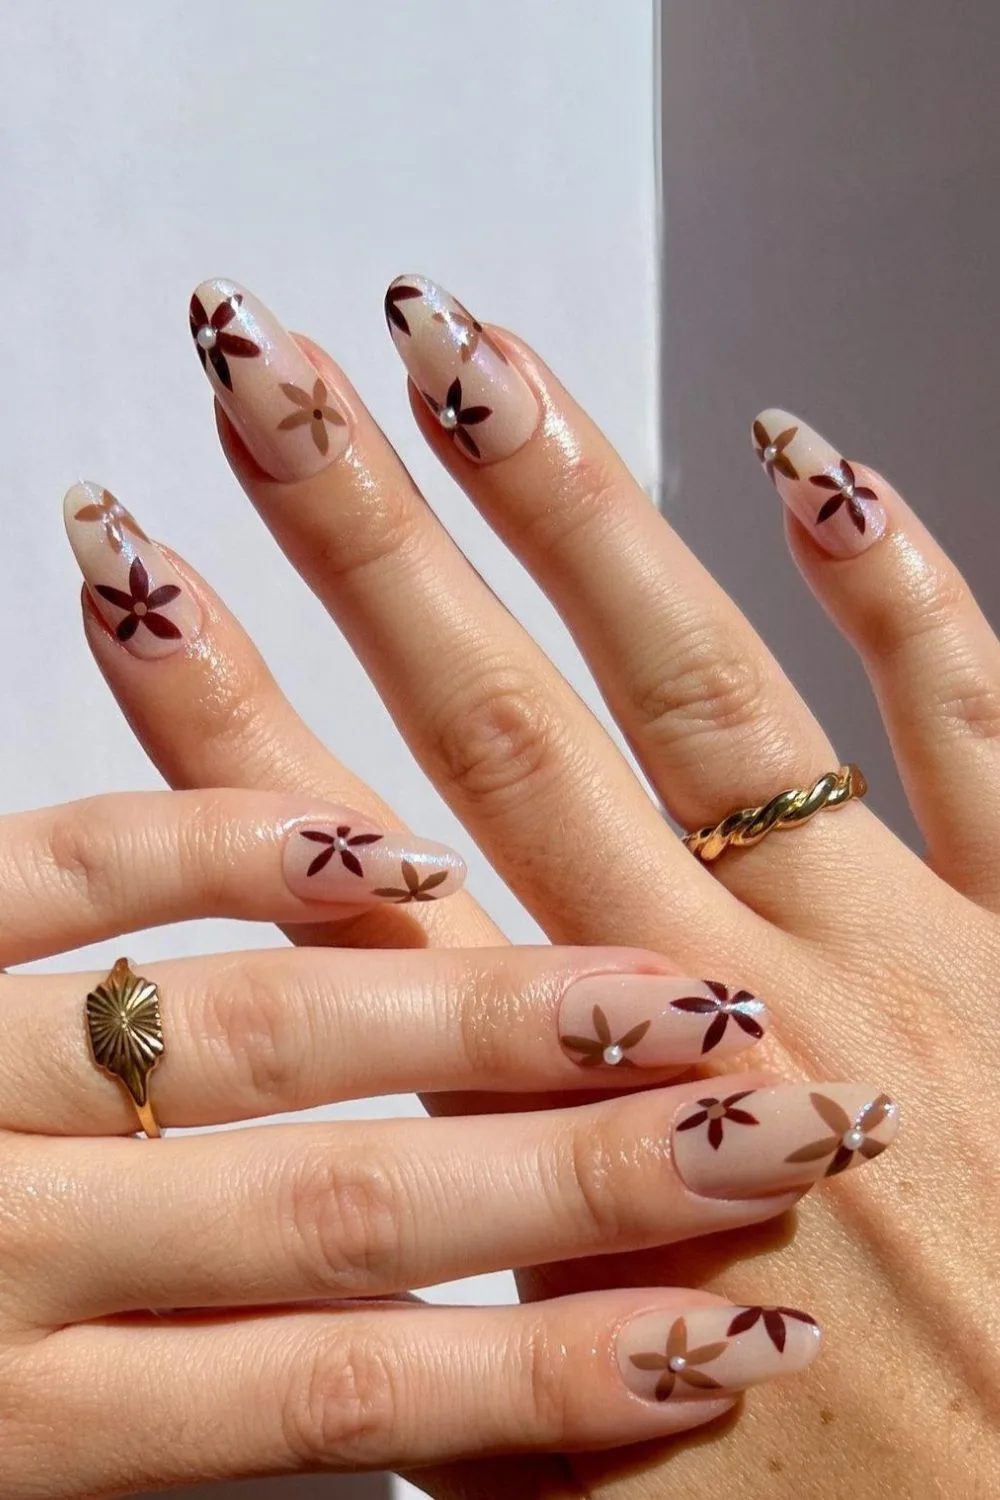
(140, 605)
(723, 1007)
(771, 451)
(456, 418)
(414, 889)
(715, 1112)
(394, 314)
(313, 408)
(774, 1320)
(212, 341)
(679, 1363)
(850, 1137)
(602, 1047)
(113, 519)
(341, 843)
(847, 492)
(467, 331)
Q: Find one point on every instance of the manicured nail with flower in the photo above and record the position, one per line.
(744, 1143)
(352, 861)
(137, 592)
(842, 503)
(281, 406)
(705, 1353)
(627, 1021)
(460, 370)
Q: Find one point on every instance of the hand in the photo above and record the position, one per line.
(872, 959)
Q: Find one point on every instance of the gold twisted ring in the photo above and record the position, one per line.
(787, 810)
(126, 1035)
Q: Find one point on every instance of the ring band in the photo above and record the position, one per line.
(787, 810)
(126, 1035)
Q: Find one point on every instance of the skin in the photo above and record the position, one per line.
(863, 949)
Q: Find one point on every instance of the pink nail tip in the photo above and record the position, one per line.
(704, 1353)
(352, 861)
(626, 1021)
(841, 503)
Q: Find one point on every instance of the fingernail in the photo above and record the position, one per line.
(655, 1021)
(140, 595)
(274, 397)
(350, 859)
(841, 503)
(462, 373)
(702, 1353)
(752, 1142)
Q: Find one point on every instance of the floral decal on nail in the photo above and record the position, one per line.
(313, 408)
(723, 1007)
(341, 843)
(469, 332)
(140, 605)
(456, 418)
(774, 1320)
(714, 1112)
(113, 518)
(678, 1362)
(212, 341)
(771, 451)
(847, 492)
(602, 1047)
(393, 312)
(850, 1138)
(414, 889)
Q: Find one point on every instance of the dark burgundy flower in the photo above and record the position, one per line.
(212, 341)
(602, 1047)
(771, 451)
(414, 889)
(713, 1112)
(342, 842)
(678, 1361)
(393, 312)
(774, 1322)
(140, 605)
(850, 1138)
(723, 1007)
(456, 418)
(846, 492)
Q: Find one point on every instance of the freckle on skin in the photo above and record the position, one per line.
(775, 1465)
(826, 1416)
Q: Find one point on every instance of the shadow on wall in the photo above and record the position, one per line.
(317, 1487)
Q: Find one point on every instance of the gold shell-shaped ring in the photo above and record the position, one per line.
(787, 810)
(126, 1035)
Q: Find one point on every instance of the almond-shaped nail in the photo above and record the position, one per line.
(351, 860)
(464, 376)
(752, 1142)
(841, 503)
(273, 395)
(656, 1021)
(704, 1353)
(137, 592)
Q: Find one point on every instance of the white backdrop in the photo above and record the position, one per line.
(312, 151)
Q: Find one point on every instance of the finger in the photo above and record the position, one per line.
(291, 1213)
(384, 1386)
(210, 714)
(90, 870)
(256, 1034)
(502, 735)
(932, 657)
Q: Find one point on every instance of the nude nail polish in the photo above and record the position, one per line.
(137, 592)
(629, 1021)
(704, 1353)
(351, 860)
(460, 370)
(274, 396)
(748, 1143)
(841, 503)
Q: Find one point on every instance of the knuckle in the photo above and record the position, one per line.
(246, 1038)
(376, 524)
(496, 737)
(588, 1174)
(491, 1008)
(968, 702)
(582, 496)
(348, 1224)
(78, 852)
(545, 1359)
(341, 1406)
(703, 689)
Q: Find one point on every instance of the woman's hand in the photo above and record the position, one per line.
(871, 957)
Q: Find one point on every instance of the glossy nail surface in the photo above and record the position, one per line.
(136, 590)
(656, 1021)
(352, 860)
(752, 1142)
(464, 376)
(706, 1352)
(841, 503)
(269, 390)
